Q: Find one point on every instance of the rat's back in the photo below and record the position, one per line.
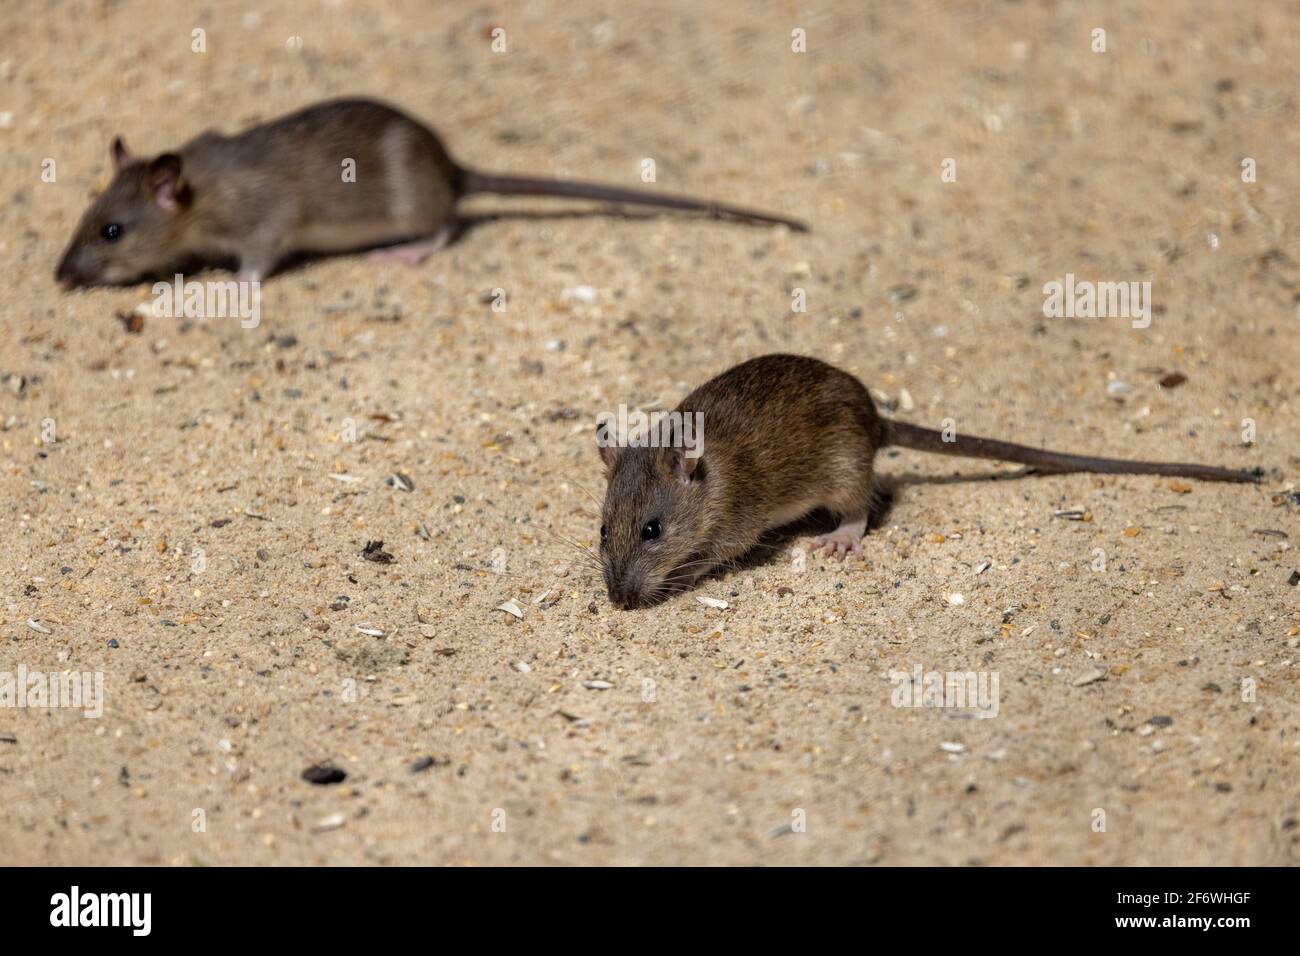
(787, 433)
(337, 175)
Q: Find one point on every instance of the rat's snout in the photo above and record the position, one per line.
(619, 595)
(624, 592)
(75, 270)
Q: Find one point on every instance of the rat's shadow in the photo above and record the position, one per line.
(466, 223)
(191, 267)
(774, 543)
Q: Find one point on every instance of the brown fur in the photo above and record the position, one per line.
(783, 435)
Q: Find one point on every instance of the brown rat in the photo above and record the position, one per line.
(280, 189)
(783, 436)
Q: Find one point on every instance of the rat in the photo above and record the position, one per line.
(283, 188)
(778, 437)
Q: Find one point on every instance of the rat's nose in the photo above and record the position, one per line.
(73, 271)
(621, 595)
(66, 274)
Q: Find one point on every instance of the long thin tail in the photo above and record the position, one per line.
(476, 182)
(915, 437)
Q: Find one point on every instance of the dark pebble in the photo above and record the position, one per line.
(323, 775)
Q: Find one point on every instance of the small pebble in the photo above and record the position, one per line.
(324, 775)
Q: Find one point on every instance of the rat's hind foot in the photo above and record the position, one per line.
(413, 253)
(844, 540)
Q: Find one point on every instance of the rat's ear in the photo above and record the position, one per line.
(683, 467)
(607, 446)
(121, 155)
(168, 188)
(677, 462)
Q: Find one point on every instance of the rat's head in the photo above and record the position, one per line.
(653, 521)
(134, 227)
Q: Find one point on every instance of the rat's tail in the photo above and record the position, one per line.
(967, 446)
(476, 182)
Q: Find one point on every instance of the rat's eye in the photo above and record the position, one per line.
(604, 533)
(651, 530)
(112, 232)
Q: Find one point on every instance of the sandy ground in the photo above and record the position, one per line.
(185, 537)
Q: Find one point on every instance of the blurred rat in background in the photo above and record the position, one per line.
(340, 176)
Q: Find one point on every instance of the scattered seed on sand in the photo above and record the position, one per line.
(37, 626)
(424, 763)
(510, 607)
(952, 748)
(580, 293)
(1091, 677)
(522, 667)
(956, 600)
(597, 685)
(370, 631)
(346, 479)
(132, 322)
(401, 481)
(712, 602)
(374, 551)
(331, 822)
(324, 775)
(1071, 514)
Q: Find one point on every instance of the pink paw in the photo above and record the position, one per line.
(843, 541)
(838, 545)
